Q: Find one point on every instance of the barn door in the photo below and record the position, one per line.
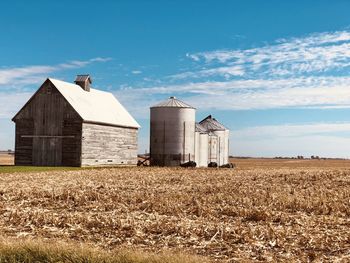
(47, 151)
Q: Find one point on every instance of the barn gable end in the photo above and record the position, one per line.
(47, 128)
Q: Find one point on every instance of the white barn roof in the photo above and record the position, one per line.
(95, 106)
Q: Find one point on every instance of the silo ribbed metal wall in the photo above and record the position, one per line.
(172, 135)
(201, 152)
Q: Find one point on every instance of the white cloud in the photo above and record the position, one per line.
(136, 72)
(315, 92)
(222, 71)
(23, 74)
(294, 73)
(288, 57)
(7, 131)
(35, 74)
(12, 102)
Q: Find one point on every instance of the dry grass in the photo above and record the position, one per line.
(40, 251)
(260, 214)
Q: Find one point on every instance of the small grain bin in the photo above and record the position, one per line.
(201, 146)
(218, 140)
(172, 133)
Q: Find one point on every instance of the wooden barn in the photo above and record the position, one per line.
(66, 124)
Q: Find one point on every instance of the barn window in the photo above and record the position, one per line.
(48, 90)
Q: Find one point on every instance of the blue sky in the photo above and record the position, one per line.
(275, 72)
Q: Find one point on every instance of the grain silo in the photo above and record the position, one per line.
(218, 140)
(172, 133)
(201, 146)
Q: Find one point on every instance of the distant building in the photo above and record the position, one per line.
(66, 124)
(176, 138)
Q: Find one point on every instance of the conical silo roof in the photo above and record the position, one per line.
(199, 128)
(172, 102)
(211, 124)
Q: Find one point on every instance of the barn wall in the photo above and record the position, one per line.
(71, 143)
(47, 130)
(108, 145)
(23, 145)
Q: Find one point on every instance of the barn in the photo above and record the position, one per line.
(72, 124)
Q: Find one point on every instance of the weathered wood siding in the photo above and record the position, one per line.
(108, 145)
(71, 144)
(23, 145)
(48, 130)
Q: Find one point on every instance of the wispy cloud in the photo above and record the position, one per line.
(305, 72)
(12, 99)
(34, 74)
(227, 72)
(314, 92)
(317, 53)
(12, 102)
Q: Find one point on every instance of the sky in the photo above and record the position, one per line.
(276, 73)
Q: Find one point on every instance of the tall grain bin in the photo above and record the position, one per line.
(201, 146)
(172, 133)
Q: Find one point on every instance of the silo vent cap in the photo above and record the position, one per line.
(172, 97)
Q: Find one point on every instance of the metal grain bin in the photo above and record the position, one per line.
(218, 140)
(172, 133)
(201, 146)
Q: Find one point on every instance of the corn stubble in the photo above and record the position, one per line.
(225, 215)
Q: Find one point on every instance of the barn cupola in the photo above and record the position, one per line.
(84, 81)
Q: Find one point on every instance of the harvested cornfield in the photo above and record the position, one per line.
(260, 214)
